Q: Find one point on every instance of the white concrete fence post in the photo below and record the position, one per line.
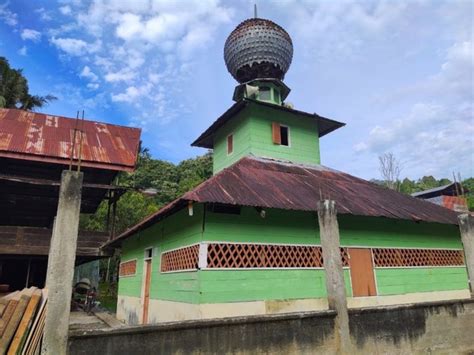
(336, 290)
(61, 259)
(466, 227)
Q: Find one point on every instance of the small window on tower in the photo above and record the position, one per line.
(285, 135)
(264, 93)
(230, 144)
(276, 96)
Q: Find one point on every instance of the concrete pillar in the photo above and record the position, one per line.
(466, 226)
(62, 255)
(336, 290)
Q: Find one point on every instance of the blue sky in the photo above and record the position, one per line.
(399, 73)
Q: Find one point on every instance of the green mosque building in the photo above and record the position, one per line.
(246, 241)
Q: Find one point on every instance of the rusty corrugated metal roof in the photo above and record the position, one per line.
(37, 136)
(206, 139)
(275, 184)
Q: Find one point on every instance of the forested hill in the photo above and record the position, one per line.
(156, 182)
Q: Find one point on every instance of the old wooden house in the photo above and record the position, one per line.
(246, 241)
(34, 149)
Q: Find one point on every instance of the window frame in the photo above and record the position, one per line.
(265, 89)
(231, 136)
(287, 134)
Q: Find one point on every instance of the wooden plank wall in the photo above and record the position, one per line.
(35, 241)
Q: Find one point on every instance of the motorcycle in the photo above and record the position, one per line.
(84, 296)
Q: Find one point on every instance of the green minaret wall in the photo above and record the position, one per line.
(252, 135)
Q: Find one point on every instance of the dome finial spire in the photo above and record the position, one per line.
(258, 48)
(255, 10)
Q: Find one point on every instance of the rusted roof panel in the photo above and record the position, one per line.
(275, 184)
(37, 136)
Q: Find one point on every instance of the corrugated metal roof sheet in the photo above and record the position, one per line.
(38, 136)
(450, 190)
(206, 139)
(275, 184)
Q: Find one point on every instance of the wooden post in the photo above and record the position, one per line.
(61, 259)
(336, 290)
(466, 227)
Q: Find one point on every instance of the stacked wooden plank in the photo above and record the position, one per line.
(22, 315)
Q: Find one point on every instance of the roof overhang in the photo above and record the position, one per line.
(268, 183)
(206, 139)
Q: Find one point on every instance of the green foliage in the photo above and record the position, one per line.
(131, 209)
(407, 186)
(469, 185)
(14, 91)
(192, 172)
(169, 180)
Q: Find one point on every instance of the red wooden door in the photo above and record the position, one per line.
(146, 295)
(362, 272)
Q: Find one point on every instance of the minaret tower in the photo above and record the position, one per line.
(258, 53)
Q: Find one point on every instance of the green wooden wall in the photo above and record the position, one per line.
(239, 126)
(304, 136)
(252, 129)
(252, 285)
(176, 231)
(396, 281)
(292, 227)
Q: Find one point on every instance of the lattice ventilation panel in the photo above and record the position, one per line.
(417, 257)
(224, 255)
(128, 268)
(180, 259)
(345, 257)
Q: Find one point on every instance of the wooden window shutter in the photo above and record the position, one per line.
(276, 133)
(230, 143)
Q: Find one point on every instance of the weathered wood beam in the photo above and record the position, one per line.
(36, 241)
(47, 182)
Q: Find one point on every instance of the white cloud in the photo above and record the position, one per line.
(65, 10)
(29, 34)
(44, 14)
(88, 74)
(122, 75)
(437, 135)
(23, 51)
(142, 43)
(74, 46)
(129, 26)
(130, 95)
(8, 17)
(92, 86)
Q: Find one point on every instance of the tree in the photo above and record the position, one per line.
(132, 207)
(14, 91)
(407, 186)
(168, 179)
(390, 170)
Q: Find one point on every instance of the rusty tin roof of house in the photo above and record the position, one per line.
(42, 137)
(269, 183)
(206, 139)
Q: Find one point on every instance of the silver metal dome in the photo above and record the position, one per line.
(258, 48)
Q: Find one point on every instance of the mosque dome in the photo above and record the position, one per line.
(258, 48)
